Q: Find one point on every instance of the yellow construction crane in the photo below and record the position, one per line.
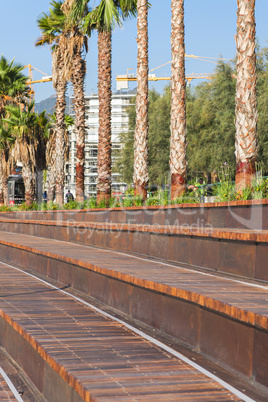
(46, 78)
(122, 80)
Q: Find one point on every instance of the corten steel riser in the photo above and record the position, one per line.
(233, 336)
(242, 253)
(250, 215)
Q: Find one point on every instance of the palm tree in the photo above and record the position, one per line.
(103, 18)
(41, 136)
(22, 123)
(177, 161)
(63, 30)
(76, 44)
(6, 143)
(141, 176)
(53, 34)
(246, 145)
(30, 134)
(104, 26)
(13, 84)
(13, 91)
(51, 155)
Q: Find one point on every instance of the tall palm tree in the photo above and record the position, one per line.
(53, 34)
(141, 175)
(246, 146)
(51, 155)
(30, 131)
(13, 91)
(22, 123)
(41, 136)
(177, 161)
(103, 18)
(76, 45)
(6, 162)
(105, 99)
(63, 28)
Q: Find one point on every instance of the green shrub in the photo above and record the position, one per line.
(72, 205)
(152, 201)
(5, 208)
(128, 201)
(24, 207)
(114, 202)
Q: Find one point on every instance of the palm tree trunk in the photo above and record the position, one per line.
(78, 79)
(59, 169)
(177, 161)
(105, 98)
(5, 188)
(3, 183)
(246, 146)
(141, 175)
(51, 181)
(1, 186)
(28, 184)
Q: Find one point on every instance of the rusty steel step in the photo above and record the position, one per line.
(249, 215)
(239, 252)
(223, 318)
(73, 352)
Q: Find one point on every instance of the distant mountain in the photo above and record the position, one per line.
(48, 104)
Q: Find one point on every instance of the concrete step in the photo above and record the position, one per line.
(223, 318)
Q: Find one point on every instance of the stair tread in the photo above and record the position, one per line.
(240, 299)
(100, 358)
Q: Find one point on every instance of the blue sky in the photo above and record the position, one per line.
(210, 26)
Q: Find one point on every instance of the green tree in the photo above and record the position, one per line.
(210, 123)
(262, 97)
(125, 162)
(158, 140)
(210, 126)
(159, 137)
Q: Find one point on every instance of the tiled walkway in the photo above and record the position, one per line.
(100, 358)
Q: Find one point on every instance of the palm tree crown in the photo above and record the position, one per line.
(13, 83)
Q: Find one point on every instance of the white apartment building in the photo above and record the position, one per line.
(120, 101)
